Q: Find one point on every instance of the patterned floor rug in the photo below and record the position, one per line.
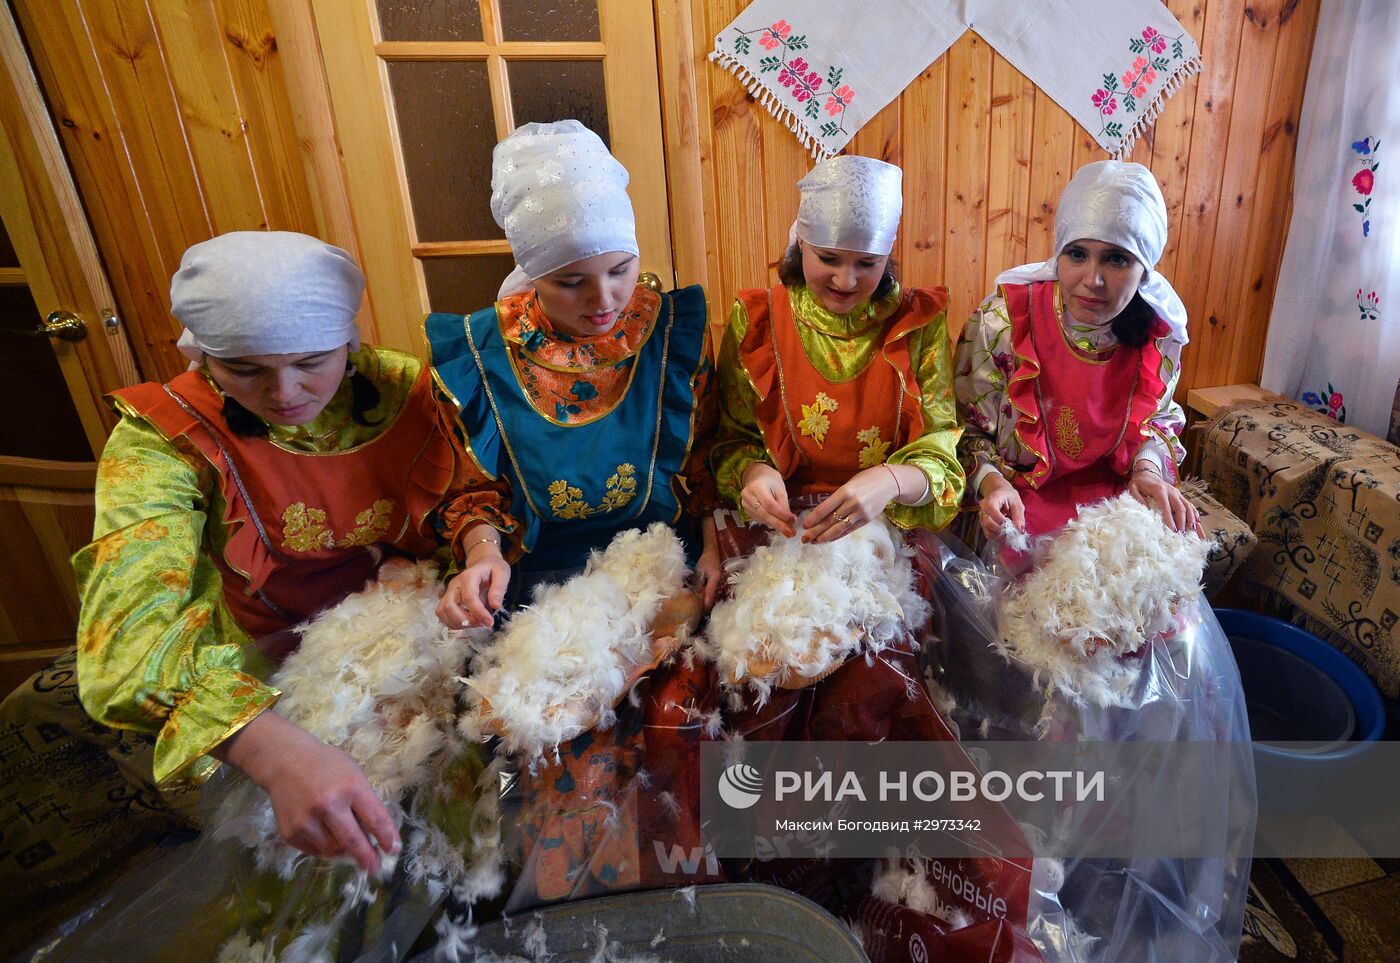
(1283, 922)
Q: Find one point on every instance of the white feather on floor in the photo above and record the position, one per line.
(797, 611)
(1108, 582)
(562, 662)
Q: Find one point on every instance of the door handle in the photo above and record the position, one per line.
(64, 325)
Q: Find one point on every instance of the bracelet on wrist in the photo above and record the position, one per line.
(898, 492)
(485, 538)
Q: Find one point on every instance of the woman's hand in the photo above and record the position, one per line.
(854, 504)
(765, 499)
(324, 804)
(709, 571)
(999, 501)
(1149, 487)
(475, 593)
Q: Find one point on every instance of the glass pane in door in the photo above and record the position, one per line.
(49, 426)
(545, 90)
(462, 285)
(430, 19)
(446, 132)
(8, 257)
(550, 20)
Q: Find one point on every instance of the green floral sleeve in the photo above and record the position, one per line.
(935, 451)
(158, 650)
(740, 441)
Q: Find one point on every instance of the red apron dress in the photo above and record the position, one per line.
(1082, 417)
(817, 431)
(303, 528)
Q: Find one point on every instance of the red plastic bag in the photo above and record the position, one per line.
(898, 934)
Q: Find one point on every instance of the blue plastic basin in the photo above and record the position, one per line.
(1299, 689)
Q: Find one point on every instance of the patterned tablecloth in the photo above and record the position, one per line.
(1324, 501)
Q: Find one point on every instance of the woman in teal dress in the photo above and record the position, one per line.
(584, 398)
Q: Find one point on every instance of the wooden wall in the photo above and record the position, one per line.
(985, 155)
(178, 124)
(183, 120)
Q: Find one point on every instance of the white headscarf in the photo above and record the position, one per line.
(265, 292)
(850, 203)
(560, 197)
(1118, 203)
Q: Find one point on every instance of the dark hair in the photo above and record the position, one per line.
(790, 272)
(364, 398)
(1134, 323)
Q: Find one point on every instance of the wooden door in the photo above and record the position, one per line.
(52, 419)
(420, 94)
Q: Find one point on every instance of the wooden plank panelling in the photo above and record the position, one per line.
(1052, 148)
(1254, 294)
(1008, 166)
(1238, 187)
(179, 123)
(985, 156)
(1171, 142)
(178, 126)
(966, 202)
(921, 234)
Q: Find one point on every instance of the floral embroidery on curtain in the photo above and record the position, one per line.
(1364, 180)
(1332, 344)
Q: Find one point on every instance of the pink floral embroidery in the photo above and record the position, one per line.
(1364, 181)
(792, 72)
(1138, 79)
(839, 100)
(804, 82)
(1327, 403)
(1105, 102)
(806, 85)
(1368, 305)
(774, 35)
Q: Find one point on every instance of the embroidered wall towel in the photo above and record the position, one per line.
(825, 67)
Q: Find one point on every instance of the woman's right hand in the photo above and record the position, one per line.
(765, 499)
(1000, 501)
(474, 594)
(324, 804)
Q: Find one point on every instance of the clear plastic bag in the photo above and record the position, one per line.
(1185, 687)
(207, 899)
(618, 809)
(374, 676)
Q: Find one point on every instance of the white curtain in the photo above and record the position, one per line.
(1334, 336)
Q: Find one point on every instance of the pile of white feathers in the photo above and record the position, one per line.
(1108, 582)
(561, 663)
(797, 611)
(375, 676)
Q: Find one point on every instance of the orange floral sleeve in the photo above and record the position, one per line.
(475, 497)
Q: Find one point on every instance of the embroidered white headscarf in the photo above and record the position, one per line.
(850, 203)
(1116, 202)
(265, 292)
(560, 197)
